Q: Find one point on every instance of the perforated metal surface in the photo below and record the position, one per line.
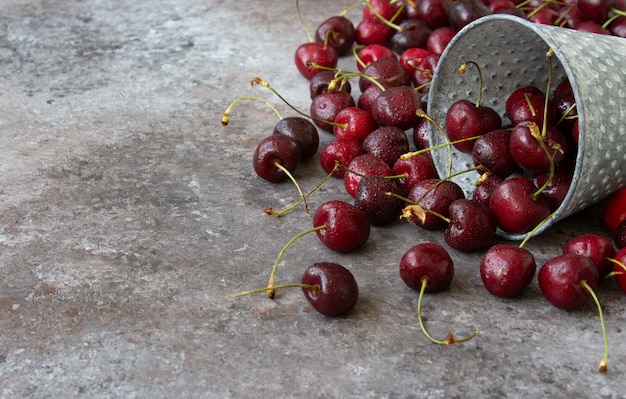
(511, 53)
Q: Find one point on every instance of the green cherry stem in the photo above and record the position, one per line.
(463, 68)
(603, 366)
(450, 340)
(226, 115)
(276, 287)
(306, 29)
(295, 182)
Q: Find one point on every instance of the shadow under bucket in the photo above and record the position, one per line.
(511, 53)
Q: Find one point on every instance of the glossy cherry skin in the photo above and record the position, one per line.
(433, 12)
(439, 39)
(527, 151)
(319, 83)
(336, 290)
(413, 33)
(515, 208)
(531, 108)
(614, 211)
(482, 192)
(397, 106)
(518, 96)
(390, 11)
(388, 71)
(354, 123)
(410, 58)
(372, 30)
(416, 168)
(491, 150)
(437, 199)
(507, 270)
(556, 192)
(371, 53)
(387, 143)
(317, 53)
(462, 12)
(594, 246)
(364, 165)
(430, 261)
(325, 107)
(595, 10)
(464, 120)
(302, 131)
(560, 280)
(339, 31)
(346, 227)
(277, 148)
(619, 235)
(472, 226)
(342, 151)
(373, 199)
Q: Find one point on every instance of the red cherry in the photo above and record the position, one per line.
(345, 227)
(317, 53)
(619, 268)
(326, 106)
(430, 261)
(336, 290)
(353, 123)
(614, 211)
(371, 53)
(507, 270)
(596, 247)
(339, 31)
(364, 165)
(464, 120)
(516, 207)
(272, 150)
(341, 151)
(560, 280)
(416, 168)
(472, 226)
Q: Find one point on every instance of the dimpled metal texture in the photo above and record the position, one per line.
(512, 52)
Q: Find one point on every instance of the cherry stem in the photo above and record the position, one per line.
(544, 128)
(450, 340)
(270, 285)
(295, 182)
(463, 69)
(281, 286)
(355, 53)
(411, 154)
(383, 19)
(534, 131)
(534, 230)
(618, 13)
(420, 112)
(226, 116)
(306, 29)
(271, 211)
(266, 84)
(603, 366)
(566, 114)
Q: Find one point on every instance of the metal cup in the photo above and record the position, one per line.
(511, 53)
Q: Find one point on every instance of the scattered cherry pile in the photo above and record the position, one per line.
(523, 169)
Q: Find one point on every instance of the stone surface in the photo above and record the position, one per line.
(127, 213)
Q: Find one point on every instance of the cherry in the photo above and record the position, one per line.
(531, 108)
(434, 196)
(465, 120)
(594, 246)
(341, 226)
(372, 197)
(410, 58)
(619, 269)
(595, 10)
(412, 33)
(364, 165)
(338, 31)
(462, 12)
(424, 70)
(507, 270)
(318, 53)
(535, 151)
(372, 30)
(387, 143)
(320, 82)
(491, 150)
(368, 96)
(302, 131)
(335, 289)
(397, 106)
(385, 9)
(614, 211)
(433, 12)
(416, 168)
(518, 96)
(592, 27)
(619, 235)
(496, 5)
(560, 280)
(387, 71)
(557, 190)
(326, 106)
(485, 188)
(354, 123)
(544, 16)
(472, 226)
(516, 205)
(274, 155)
(421, 136)
(342, 152)
(618, 26)
(439, 39)
(370, 53)
(427, 267)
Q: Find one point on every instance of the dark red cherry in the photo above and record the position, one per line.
(272, 150)
(618, 27)
(397, 106)
(389, 10)
(491, 150)
(592, 27)
(484, 189)
(319, 83)
(464, 120)
(555, 192)
(462, 12)
(472, 226)
(413, 33)
(364, 165)
(595, 10)
(336, 290)
(527, 150)
(372, 197)
(302, 131)
(341, 151)
(516, 206)
(439, 39)
(367, 97)
(433, 12)
(507, 270)
(435, 198)
(531, 108)
(594, 246)
(518, 96)
(544, 16)
(430, 261)
(560, 280)
(421, 136)
(619, 235)
(410, 58)
(387, 143)
(317, 53)
(345, 227)
(372, 30)
(338, 31)
(619, 268)
(326, 106)
(387, 71)
(371, 53)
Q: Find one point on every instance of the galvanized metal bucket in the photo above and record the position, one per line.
(511, 53)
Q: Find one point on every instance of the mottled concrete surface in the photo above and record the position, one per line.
(127, 213)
